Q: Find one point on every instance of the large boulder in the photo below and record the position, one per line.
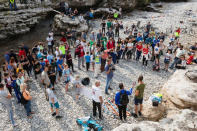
(180, 90)
(63, 22)
(153, 113)
(185, 121)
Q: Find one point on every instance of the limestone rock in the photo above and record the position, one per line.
(101, 12)
(152, 112)
(141, 126)
(192, 75)
(21, 21)
(180, 90)
(61, 23)
(82, 3)
(185, 121)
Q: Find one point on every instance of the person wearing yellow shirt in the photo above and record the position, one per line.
(62, 49)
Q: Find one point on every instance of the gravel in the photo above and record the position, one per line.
(126, 72)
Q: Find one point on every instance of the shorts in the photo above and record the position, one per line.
(60, 73)
(166, 61)
(138, 101)
(56, 105)
(67, 81)
(157, 56)
(78, 90)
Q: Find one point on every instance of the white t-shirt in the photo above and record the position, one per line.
(57, 53)
(157, 50)
(51, 95)
(168, 56)
(180, 52)
(83, 44)
(130, 46)
(49, 39)
(78, 42)
(96, 93)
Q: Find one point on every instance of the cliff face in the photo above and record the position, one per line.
(21, 21)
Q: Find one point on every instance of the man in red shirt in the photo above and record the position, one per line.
(139, 50)
(81, 53)
(63, 39)
(22, 52)
(110, 44)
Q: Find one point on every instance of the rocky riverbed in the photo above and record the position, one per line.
(126, 72)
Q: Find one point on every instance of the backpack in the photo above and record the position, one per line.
(124, 99)
(23, 101)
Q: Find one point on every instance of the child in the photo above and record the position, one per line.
(168, 58)
(190, 59)
(66, 74)
(92, 60)
(145, 55)
(77, 86)
(87, 59)
(53, 102)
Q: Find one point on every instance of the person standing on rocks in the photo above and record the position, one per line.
(138, 99)
(5, 99)
(109, 72)
(53, 102)
(97, 99)
(122, 100)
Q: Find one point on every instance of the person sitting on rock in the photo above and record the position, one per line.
(181, 63)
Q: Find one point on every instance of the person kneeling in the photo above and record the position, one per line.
(181, 64)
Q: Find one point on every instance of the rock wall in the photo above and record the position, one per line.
(21, 21)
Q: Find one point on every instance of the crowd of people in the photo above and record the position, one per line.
(52, 61)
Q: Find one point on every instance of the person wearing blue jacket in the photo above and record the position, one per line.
(121, 101)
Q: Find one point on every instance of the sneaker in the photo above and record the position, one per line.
(53, 114)
(106, 93)
(14, 125)
(101, 118)
(110, 88)
(58, 117)
(139, 112)
(134, 115)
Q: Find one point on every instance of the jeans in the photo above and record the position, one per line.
(138, 55)
(108, 83)
(80, 60)
(97, 70)
(174, 62)
(13, 5)
(28, 108)
(50, 48)
(95, 106)
(17, 93)
(122, 111)
(10, 112)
